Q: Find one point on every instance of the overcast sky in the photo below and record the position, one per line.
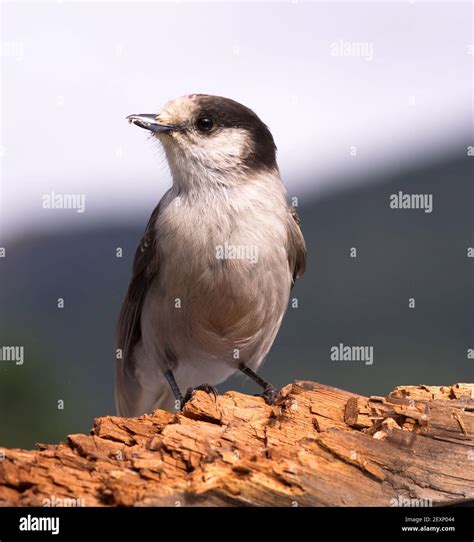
(72, 72)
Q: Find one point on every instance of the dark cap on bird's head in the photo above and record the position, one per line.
(212, 132)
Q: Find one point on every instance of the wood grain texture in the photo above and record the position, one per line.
(317, 446)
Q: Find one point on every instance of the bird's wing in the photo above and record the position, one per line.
(145, 269)
(296, 245)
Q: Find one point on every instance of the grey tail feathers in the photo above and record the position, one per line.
(132, 400)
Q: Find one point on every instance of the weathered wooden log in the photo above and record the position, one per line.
(317, 446)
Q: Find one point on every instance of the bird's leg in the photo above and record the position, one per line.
(175, 389)
(270, 393)
(180, 400)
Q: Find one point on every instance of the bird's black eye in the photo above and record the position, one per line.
(204, 124)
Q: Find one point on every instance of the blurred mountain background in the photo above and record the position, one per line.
(401, 254)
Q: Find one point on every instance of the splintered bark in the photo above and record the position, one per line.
(317, 446)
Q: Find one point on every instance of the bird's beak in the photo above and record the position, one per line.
(149, 122)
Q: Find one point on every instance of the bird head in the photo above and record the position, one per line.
(210, 137)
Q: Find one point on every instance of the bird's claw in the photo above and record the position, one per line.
(203, 387)
(269, 395)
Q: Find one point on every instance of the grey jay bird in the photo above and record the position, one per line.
(212, 275)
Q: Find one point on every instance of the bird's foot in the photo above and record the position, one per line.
(270, 393)
(203, 387)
